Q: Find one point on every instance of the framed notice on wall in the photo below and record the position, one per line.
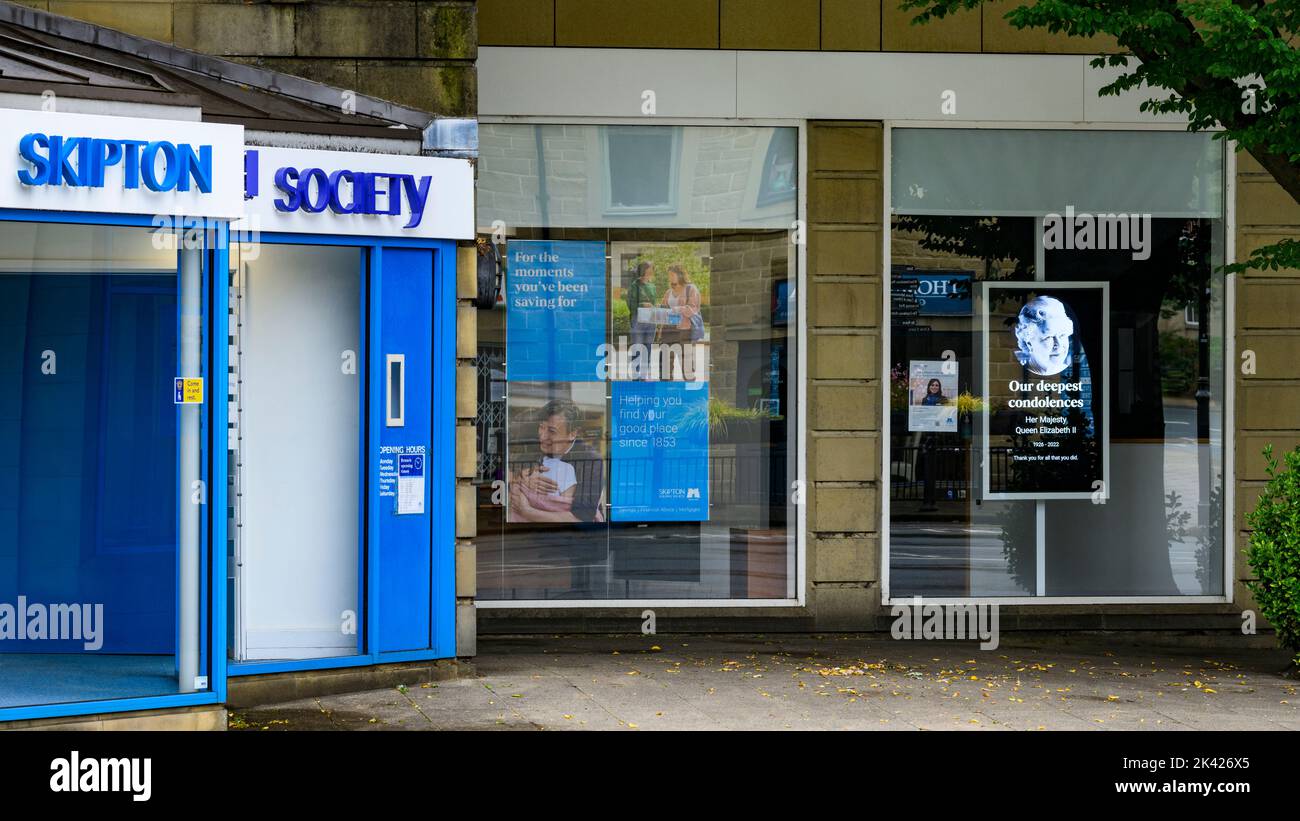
(1046, 348)
(932, 395)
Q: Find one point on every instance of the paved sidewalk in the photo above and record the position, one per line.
(820, 683)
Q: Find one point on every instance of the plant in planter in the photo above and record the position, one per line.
(969, 403)
(1274, 550)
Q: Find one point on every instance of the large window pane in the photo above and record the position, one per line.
(1155, 527)
(676, 461)
(102, 541)
(944, 539)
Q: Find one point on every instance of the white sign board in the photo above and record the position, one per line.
(410, 483)
(51, 161)
(308, 191)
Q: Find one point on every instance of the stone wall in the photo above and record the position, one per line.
(1268, 324)
(845, 265)
(796, 25)
(417, 53)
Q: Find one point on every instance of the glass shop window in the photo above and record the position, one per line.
(1055, 421)
(104, 589)
(637, 375)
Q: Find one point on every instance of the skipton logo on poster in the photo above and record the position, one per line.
(127, 775)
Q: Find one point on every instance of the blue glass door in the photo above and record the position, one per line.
(89, 468)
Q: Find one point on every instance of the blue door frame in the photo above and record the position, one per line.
(213, 565)
(439, 469)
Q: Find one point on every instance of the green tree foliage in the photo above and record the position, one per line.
(1228, 64)
(1177, 364)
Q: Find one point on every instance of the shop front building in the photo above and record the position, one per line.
(342, 434)
(770, 325)
(228, 415)
(109, 467)
(790, 329)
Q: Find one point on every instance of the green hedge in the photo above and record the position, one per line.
(1274, 550)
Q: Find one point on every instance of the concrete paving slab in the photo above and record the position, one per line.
(811, 682)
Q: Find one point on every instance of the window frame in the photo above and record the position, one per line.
(212, 599)
(801, 400)
(671, 207)
(439, 463)
(1229, 354)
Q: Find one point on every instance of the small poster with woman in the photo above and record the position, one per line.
(659, 306)
(932, 395)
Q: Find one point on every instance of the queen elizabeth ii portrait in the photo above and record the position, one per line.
(1043, 330)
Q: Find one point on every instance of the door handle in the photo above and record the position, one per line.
(395, 389)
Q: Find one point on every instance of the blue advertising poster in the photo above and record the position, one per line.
(555, 310)
(660, 452)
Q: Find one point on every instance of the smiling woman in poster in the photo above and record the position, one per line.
(1043, 330)
(683, 298)
(934, 394)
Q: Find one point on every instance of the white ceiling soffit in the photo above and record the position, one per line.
(112, 108)
(580, 82)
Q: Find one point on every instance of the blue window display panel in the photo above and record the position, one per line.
(660, 452)
(98, 467)
(88, 472)
(555, 311)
